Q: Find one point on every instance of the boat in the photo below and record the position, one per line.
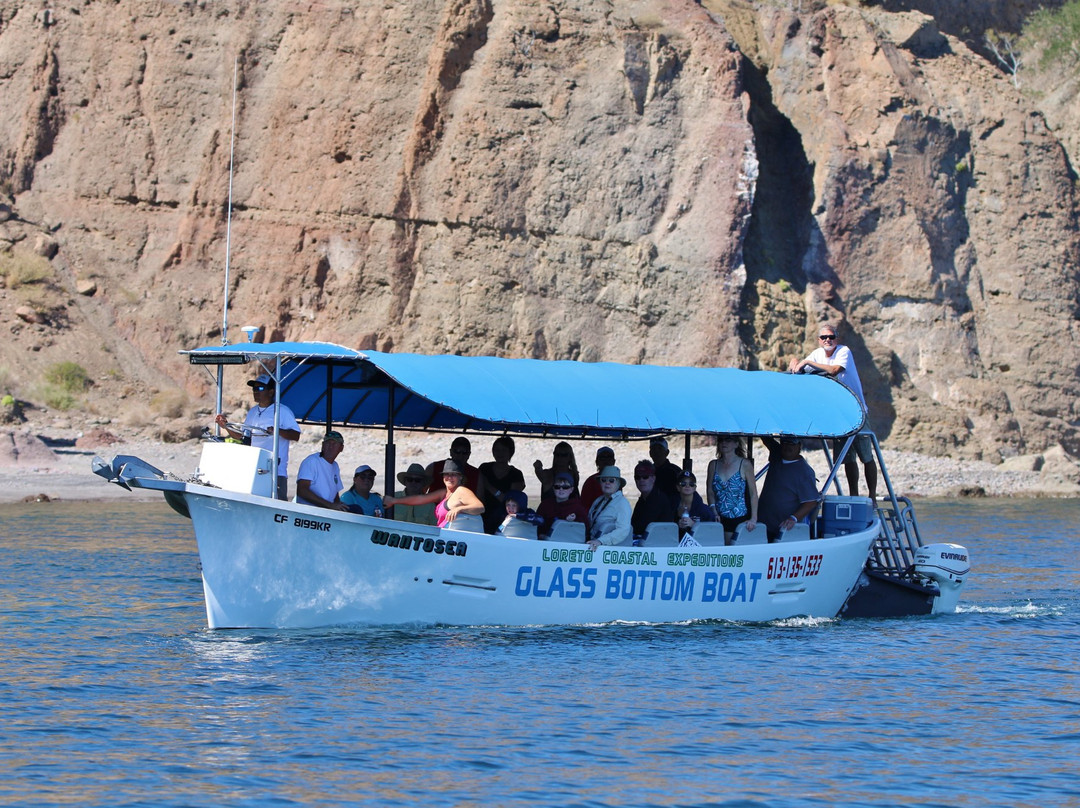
(268, 563)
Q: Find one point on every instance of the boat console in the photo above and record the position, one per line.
(235, 467)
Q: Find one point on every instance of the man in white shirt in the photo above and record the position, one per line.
(318, 482)
(260, 424)
(610, 514)
(836, 360)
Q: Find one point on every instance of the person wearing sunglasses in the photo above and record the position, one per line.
(653, 505)
(835, 360)
(690, 508)
(564, 503)
(460, 452)
(259, 426)
(415, 482)
(609, 516)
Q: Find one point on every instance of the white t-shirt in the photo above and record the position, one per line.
(849, 376)
(264, 417)
(325, 478)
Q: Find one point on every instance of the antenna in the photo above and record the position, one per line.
(228, 244)
(228, 218)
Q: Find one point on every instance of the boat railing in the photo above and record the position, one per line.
(894, 550)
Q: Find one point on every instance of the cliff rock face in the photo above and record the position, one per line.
(645, 181)
(939, 223)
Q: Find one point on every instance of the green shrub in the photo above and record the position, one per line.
(22, 268)
(68, 377)
(57, 398)
(1057, 31)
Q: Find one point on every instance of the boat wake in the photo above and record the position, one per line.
(805, 622)
(1023, 611)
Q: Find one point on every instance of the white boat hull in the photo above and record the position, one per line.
(268, 563)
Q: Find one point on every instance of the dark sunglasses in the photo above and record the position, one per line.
(824, 337)
(414, 479)
(562, 487)
(687, 484)
(644, 476)
(608, 480)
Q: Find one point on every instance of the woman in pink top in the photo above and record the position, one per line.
(453, 498)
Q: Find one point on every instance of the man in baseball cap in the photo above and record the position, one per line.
(359, 497)
(318, 482)
(258, 428)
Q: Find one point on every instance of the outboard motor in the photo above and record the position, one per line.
(947, 565)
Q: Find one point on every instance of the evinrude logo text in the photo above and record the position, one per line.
(417, 543)
(954, 556)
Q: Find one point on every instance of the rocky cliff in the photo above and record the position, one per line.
(649, 181)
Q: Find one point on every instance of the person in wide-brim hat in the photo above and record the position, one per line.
(613, 471)
(610, 515)
(451, 500)
(415, 482)
(411, 473)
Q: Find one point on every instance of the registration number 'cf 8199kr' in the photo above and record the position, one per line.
(793, 566)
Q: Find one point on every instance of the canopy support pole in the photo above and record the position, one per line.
(275, 457)
(219, 396)
(329, 396)
(391, 450)
(688, 462)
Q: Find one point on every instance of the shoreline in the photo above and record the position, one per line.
(58, 467)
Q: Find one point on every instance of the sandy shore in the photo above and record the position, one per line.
(54, 464)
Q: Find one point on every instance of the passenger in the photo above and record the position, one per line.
(790, 493)
(516, 506)
(359, 497)
(732, 492)
(690, 508)
(836, 360)
(667, 473)
(590, 489)
(318, 482)
(565, 505)
(653, 505)
(261, 419)
(497, 479)
(415, 482)
(460, 450)
(450, 500)
(609, 516)
(562, 462)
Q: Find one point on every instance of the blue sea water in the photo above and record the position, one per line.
(114, 692)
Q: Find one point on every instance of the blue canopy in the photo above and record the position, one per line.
(330, 384)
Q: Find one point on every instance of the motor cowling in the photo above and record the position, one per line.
(947, 565)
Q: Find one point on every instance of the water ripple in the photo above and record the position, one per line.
(116, 693)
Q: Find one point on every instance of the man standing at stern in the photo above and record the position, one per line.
(835, 360)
